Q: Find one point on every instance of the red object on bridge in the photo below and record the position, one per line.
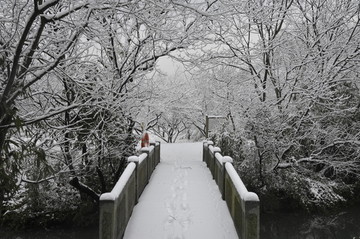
(145, 140)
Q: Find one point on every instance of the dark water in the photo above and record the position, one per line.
(341, 225)
(82, 233)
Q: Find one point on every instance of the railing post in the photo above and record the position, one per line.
(156, 145)
(158, 149)
(146, 150)
(135, 159)
(212, 152)
(153, 144)
(107, 218)
(207, 152)
(141, 172)
(225, 159)
(205, 148)
(116, 207)
(244, 206)
(252, 216)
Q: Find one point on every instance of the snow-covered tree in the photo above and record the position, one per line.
(69, 91)
(35, 39)
(298, 63)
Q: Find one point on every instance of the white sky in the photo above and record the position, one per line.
(169, 66)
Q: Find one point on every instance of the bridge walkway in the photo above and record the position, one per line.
(181, 201)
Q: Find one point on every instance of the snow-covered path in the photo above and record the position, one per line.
(181, 201)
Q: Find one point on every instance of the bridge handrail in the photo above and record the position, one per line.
(243, 206)
(116, 206)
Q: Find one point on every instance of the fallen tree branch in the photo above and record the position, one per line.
(84, 189)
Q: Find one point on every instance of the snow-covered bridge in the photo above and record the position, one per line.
(183, 199)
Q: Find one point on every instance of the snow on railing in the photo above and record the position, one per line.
(116, 206)
(244, 206)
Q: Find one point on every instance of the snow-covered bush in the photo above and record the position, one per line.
(291, 160)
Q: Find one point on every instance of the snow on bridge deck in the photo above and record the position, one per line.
(182, 201)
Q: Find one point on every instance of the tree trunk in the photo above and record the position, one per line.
(6, 120)
(102, 179)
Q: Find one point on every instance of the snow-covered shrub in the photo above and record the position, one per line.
(298, 159)
(229, 143)
(44, 204)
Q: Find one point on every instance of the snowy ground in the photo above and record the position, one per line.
(181, 201)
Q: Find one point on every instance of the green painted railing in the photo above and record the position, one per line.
(243, 206)
(116, 206)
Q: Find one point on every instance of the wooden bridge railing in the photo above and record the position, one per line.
(244, 206)
(116, 206)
